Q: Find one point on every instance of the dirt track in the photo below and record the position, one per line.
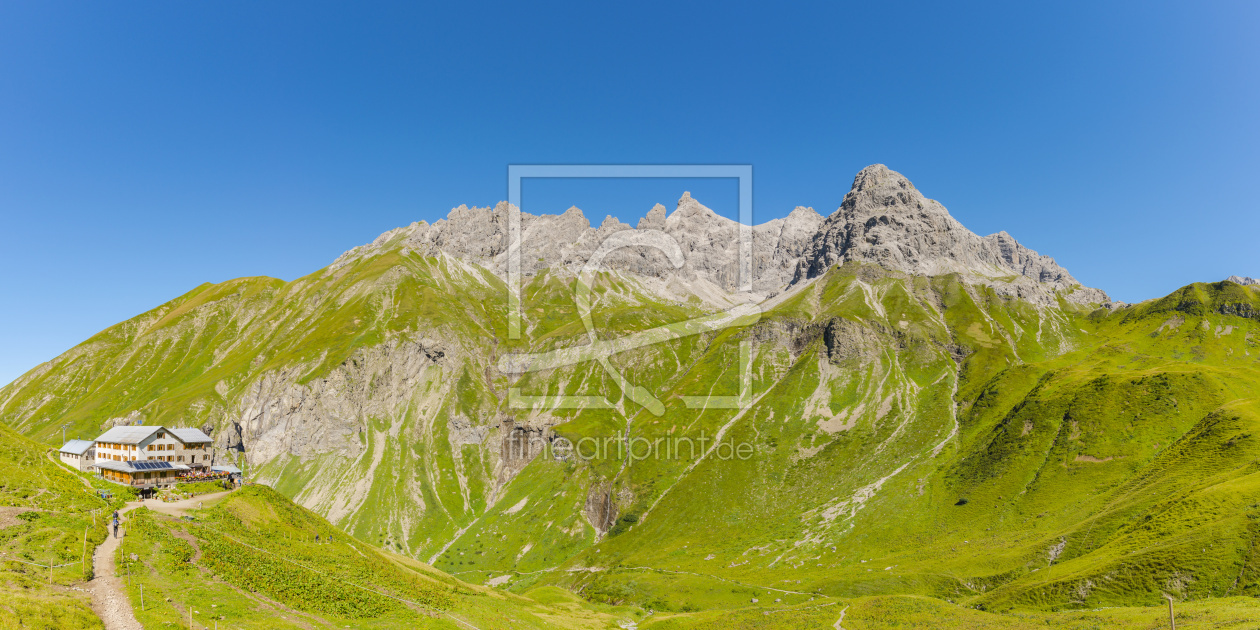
(109, 598)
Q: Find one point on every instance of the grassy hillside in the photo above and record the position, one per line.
(1112, 472)
(252, 561)
(48, 516)
(900, 611)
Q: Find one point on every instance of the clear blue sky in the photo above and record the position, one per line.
(146, 147)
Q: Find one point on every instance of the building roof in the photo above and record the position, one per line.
(189, 436)
(77, 447)
(127, 434)
(227, 469)
(142, 465)
(138, 434)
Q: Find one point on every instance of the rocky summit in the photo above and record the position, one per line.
(885, 220)
(905, 408)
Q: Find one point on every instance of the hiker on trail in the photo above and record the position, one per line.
(316, 538)
(115, 524)
(199, 504)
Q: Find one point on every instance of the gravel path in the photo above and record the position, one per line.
(109, 600)
(109, 597)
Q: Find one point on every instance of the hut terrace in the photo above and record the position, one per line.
(141, 474)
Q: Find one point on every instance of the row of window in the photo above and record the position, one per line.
(175, 458)
(160, 458)
(151, 447)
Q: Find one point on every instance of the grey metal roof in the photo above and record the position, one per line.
(77, 447)
(190, 436)
(137, 434)
(227, 469)
(127, 434)
(113, 465)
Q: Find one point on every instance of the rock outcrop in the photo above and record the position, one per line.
(1243, 280)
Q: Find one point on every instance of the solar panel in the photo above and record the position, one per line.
(151, 465)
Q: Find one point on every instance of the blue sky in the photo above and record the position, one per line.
(148, 147)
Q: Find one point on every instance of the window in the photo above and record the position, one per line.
(149, 447)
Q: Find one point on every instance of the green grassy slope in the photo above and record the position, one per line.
(1113, 473)
(48, 516)
(251, 561)
(902, 611)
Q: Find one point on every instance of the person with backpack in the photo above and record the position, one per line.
(115, 524)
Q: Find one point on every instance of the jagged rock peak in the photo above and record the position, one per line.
(690, 210)
(1243, 280)
(654, 220)
(804, 213)
(885, 220)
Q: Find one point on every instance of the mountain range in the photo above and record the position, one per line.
(924, 410)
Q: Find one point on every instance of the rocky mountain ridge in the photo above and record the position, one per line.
(883, 220)
(1243, 280)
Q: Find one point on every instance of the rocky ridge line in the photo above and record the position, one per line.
(883, 220)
